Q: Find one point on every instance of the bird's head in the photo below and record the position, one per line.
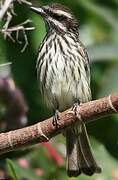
(57, 17)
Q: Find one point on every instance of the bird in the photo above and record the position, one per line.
(63, 74)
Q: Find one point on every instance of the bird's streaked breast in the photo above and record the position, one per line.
(61, 74)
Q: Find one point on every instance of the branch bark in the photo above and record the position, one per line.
(44, 131)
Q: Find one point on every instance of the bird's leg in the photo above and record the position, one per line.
(56, 118)
(76, 109)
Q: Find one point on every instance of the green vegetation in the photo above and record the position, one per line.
(98, 20)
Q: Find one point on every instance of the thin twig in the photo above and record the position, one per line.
(4, 8)
(7, 32)
(45, 130)
(7, 8)
(25, 2)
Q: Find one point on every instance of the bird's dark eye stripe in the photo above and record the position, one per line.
(56, 16)
(59, 17)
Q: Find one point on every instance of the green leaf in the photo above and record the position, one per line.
(39, 32)
(11, 169)
(2, 50)
(17, 171)
(101, 11)
(110, 82)
(101, 52)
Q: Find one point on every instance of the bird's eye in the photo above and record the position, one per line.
(58, 17)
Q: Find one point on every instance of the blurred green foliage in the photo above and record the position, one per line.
(98, 21)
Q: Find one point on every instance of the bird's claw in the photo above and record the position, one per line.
(56, 119)
(76, 110)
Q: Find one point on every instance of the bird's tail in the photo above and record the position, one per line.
(79, 155)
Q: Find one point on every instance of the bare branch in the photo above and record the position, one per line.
(7, 8)
(43, 131)
(4, 8)
(25, 2)
(6, 5)
(20, 27)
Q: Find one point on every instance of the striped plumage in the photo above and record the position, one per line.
(60, 67)
(64, 75)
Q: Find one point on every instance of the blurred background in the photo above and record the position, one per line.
(20, 101)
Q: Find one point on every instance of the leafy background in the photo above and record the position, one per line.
(98, 21)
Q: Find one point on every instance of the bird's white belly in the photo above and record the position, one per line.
(60, 92)
(64, 84)
(64, 90)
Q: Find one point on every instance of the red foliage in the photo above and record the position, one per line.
(54, 154)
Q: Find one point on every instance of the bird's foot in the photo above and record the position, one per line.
(76, 109)
(56, 119)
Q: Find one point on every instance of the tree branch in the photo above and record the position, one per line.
(43, 131)
(6, 14)
(5, 8)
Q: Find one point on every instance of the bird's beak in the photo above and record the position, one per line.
(38, 10)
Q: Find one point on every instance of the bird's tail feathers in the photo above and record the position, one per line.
(79, 154)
